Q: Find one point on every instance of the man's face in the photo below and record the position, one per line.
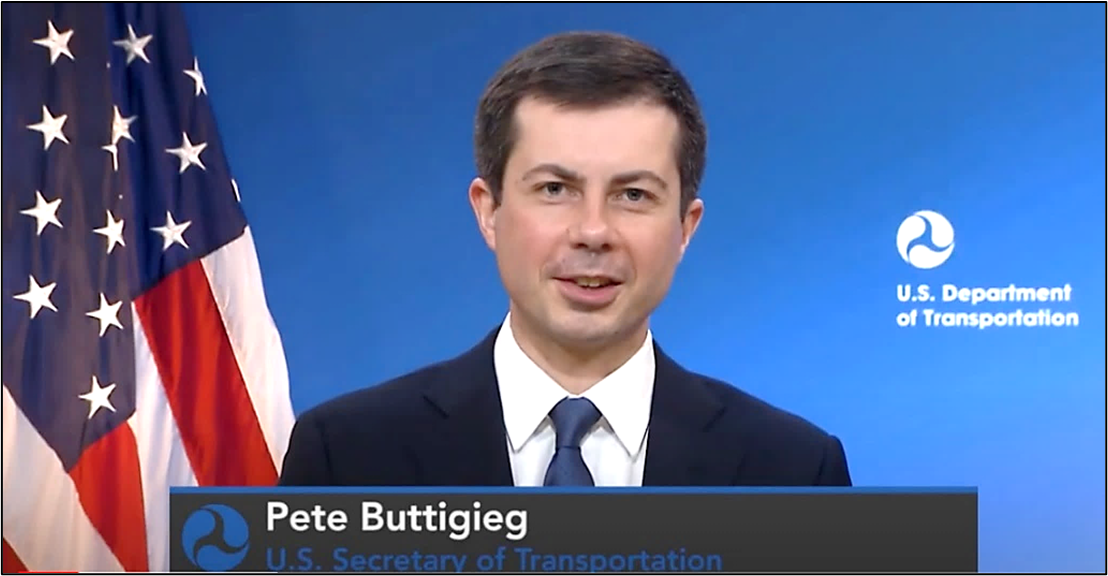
(589, 231)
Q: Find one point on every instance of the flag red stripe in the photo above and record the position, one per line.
(109, 485)
(203, 382)
(9, 560)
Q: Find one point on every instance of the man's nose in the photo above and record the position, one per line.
(592, 227)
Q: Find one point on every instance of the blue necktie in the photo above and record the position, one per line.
(572, 419)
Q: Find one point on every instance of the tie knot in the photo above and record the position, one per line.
(572, 418)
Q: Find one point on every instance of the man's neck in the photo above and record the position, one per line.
(577, 368)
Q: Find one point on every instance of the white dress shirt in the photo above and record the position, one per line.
(614, 449)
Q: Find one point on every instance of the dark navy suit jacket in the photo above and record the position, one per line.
(443, 426)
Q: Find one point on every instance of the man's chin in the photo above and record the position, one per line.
(591, 329)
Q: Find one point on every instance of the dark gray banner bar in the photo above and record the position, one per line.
(597, 530)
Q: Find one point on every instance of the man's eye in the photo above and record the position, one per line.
(635, 194)
(553, 187)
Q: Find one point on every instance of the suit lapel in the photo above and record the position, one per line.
(467, 445)
(683, 448)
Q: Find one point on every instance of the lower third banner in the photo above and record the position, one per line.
(599, 530)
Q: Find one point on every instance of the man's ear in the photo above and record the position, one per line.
(484, 209)
(693, 214)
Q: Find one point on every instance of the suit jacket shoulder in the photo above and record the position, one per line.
(364, 436)
(776, 447)
(438, 425)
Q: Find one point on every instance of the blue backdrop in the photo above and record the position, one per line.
(348, 128)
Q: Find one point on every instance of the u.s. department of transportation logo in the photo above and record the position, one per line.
(215, 538)
(925, 239)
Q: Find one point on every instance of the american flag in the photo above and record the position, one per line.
(139, 350)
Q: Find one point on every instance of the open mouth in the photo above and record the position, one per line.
(590, 282)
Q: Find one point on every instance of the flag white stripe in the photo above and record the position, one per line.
(161, 452)
(236, 280)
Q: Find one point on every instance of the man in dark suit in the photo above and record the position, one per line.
(590, 149)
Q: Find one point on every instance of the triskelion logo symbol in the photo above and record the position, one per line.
(215, 538)
(925, 239)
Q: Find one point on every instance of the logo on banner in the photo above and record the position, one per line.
(215, 538)
(925, 239)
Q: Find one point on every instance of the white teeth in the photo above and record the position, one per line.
(590, 282)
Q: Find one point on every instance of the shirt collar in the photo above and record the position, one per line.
(528, 393)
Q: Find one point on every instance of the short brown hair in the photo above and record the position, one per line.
(587, 69)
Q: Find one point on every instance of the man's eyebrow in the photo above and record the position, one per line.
(636, 175)
(623, 178)
(556, 170)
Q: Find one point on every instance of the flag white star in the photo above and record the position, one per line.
(44, 212)
(197, 76)
(107, 314)
(121, 126)
(98, 397)
(172, 233)
(134, 46)
(113, 231)
(58, 44)
(38, 296)
(189, 153)
(50, 127)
